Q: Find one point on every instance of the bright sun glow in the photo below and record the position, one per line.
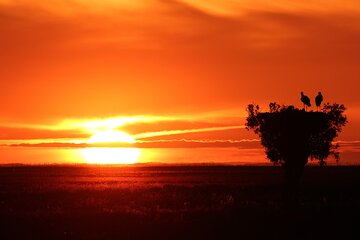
(105, 155)
(111, 155)
(111, 136)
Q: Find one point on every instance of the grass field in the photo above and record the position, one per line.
(176, 202)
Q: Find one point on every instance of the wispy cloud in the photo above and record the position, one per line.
(349, 146)
(222, 125)
(345, 146)
(236, 8)
(175, 143)
(177, 132)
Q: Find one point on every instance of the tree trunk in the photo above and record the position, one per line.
(293, 172)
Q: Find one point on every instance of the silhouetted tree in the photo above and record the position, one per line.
(291, 136)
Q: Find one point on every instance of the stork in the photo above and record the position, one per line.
(305, 100)
(318, 100)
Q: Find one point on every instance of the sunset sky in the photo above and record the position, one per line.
(170, 73)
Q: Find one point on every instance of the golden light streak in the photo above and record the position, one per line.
(175, 132)
(111, 136)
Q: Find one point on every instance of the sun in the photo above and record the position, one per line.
(110, 155)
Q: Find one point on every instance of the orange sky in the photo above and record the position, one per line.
(189, 65)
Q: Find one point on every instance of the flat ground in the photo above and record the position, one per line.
(176, 202)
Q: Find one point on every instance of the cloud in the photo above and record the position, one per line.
(345, 146)
(349, 146)
(175, 143)
(212, 125)
(184, 143)
(73, 7)
(184, 131)
(9, 134)
(235, 8)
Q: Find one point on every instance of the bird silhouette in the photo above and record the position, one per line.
(306, 101)
(318, 100)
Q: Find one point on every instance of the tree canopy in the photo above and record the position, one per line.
(291, 135)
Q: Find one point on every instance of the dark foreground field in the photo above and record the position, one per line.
(176, 202)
